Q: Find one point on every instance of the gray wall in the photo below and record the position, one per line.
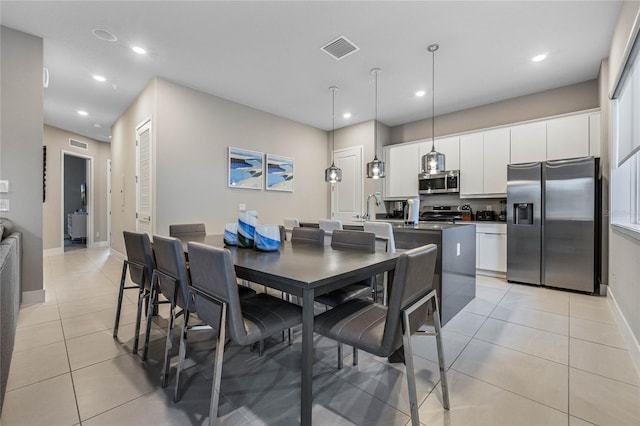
(56, 141)
(576, 97)
(192, 131)
(362, 134)
(624, 250)
(21, 145)
(74, 175)
(123, 166)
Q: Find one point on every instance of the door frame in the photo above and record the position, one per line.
(147, 122)
(90, 196)
(360, 148)
(109, 202)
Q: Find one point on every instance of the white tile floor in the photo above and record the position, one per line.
(517, 355)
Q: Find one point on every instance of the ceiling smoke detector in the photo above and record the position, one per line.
(339, 48)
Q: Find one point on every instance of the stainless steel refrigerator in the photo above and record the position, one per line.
(553, 223)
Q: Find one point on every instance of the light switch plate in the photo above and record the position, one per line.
(4, 186)
(4, 205)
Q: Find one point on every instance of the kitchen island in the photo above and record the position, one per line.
(455, 274)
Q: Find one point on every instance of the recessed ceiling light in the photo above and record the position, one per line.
(99, 78)
(539, 58)
(420, 93)
(346, 115)
(83, 113)
(104, 35)
(139, 50)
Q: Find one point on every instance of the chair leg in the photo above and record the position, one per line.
(141, 297)
(289, 331)
(441, 360)
(181, 356)
(153, 297)
(408, 362)
(169, 344)
(120, 295)
(217, 368)
(339, 356)
(261, 347)
(355, 356)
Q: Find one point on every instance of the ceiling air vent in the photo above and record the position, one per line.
(340, 47)
(78, 144)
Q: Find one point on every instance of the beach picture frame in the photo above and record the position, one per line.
(279, 173)
(246, 168)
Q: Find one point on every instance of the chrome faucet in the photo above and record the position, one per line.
(378, 198)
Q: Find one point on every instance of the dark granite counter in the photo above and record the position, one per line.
(455, 274)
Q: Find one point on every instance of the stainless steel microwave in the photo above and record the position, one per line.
(439, 183)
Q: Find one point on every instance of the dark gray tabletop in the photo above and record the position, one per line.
(296, 267)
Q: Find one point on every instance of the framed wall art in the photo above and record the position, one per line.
(245, 168)
(279, 173)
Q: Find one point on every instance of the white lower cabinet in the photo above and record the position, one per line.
(491, 248)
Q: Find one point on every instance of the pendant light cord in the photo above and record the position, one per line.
(375, 122)
(432, 48)
(333, 124)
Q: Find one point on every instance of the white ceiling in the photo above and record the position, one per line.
(267, 54)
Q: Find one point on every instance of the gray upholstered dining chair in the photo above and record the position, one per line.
(350, 240)
(381, 330)
(243, 321)
(187, 230)
(140, 263)
(314, 236)
(171, 278)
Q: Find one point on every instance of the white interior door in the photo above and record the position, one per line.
(347, 196)
(144, 178)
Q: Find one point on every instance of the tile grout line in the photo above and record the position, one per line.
(569, 361)
(73, 385)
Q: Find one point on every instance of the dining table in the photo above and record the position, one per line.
(305, 271)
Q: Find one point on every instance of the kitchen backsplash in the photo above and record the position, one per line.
(477, 204)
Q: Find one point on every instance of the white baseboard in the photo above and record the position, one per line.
(31, 297)
(489, 273)
(101, 244)
(117, 254)
(629, 337)
(53, 251)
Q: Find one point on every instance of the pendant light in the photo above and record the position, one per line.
(375, 169)
(333, 174)
(433, 161)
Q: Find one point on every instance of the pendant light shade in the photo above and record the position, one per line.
(375, 168)
(333, 174)
(434, 161)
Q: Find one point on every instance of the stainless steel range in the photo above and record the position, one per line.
(441, 214)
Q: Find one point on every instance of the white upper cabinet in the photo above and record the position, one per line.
(483, 163)
(450, 147)
(402, 169)
(568, 137)
(471, 164)
(594, 134)
(496, 159)
(529, 142)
